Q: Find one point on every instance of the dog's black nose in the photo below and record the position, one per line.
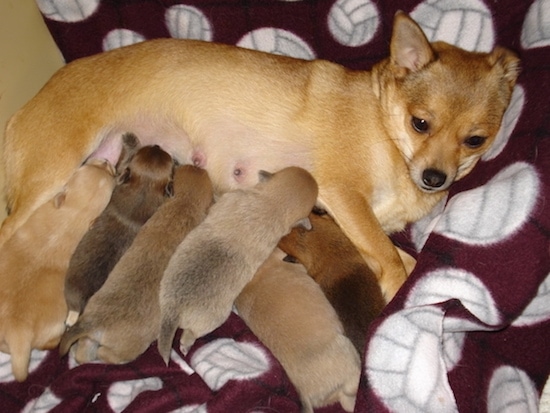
(433, 178)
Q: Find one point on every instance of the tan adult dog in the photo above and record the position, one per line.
(289, 313)
(335, 264)
(144, 179)
(384, 145)
(123, 318)
(34, 261)
(218, 258)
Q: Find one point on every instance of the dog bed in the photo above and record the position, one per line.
(469, 331)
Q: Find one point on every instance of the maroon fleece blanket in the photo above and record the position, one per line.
(468, 332)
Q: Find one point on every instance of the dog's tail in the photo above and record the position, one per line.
(20, 345)
(77, 331)
(168, 326)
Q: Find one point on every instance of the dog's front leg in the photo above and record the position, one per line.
(356, 218)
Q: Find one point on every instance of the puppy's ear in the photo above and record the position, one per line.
(130, 145)
(169, 189)
(264, 176)
(59, 199)
(410, 49)
(508, 62)
(304, 223)
(124, 177)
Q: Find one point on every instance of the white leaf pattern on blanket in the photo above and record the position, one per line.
(122, 393)
(37, 356)
(536, 27)
(494, 211)
(353, 22)
(404, 363)
(511, 391)
(538, 310)
(68, 11)
(511, 117)
(188, 22)
(46, 402)
(451, 283)
(464, 23)
(225, 359)
(277, 41)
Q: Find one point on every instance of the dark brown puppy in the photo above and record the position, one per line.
(333, 261)
(123, 317)
(144, 176)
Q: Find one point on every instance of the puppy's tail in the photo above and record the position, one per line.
(168, 327)
(20, 349)
(74, 333)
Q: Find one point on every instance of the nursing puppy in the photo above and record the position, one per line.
(122, 319)
(335, 264)
(383, 145)
(34, 261)
(289, 313)
(216, 260)
(144, 177)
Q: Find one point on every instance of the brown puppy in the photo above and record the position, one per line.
(216, 260)
(335, 264)
(289, 313)
(34, 261)
(383, 145)
(123, 317)
(143, 184)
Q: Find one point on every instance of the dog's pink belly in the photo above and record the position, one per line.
(230, 152)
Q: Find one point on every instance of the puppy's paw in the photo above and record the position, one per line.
(72, 318)
(186, 341)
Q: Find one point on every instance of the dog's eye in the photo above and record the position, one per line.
(420, 125)
(475, 141)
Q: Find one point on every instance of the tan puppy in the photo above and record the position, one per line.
(335, 264)
(34, 261)
(216, 260)
(143, 184)
(383, 145)
(289, 313)
(123, 317)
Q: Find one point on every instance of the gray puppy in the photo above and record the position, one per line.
(144, 176)
(123, 317)
(219, 257)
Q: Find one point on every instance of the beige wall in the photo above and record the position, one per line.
(28, 57)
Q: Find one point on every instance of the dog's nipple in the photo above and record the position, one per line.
(198, 159)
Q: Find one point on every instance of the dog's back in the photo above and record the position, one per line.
(289, 313)
(123, 317)
(34, 261)
(335, 264)
(144, 173)
(222, 254)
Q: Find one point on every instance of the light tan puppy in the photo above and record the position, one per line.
(34, 261)
(216, 260)
(289, 313)
(122, 319)
(144, 179)
(335, 264)
(383, 145)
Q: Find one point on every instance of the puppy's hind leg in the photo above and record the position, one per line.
(168, 327)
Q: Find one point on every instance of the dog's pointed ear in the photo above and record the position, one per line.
(410, 49)
(130, 145)
(264, 176)
(508, 62)
(59, 199)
